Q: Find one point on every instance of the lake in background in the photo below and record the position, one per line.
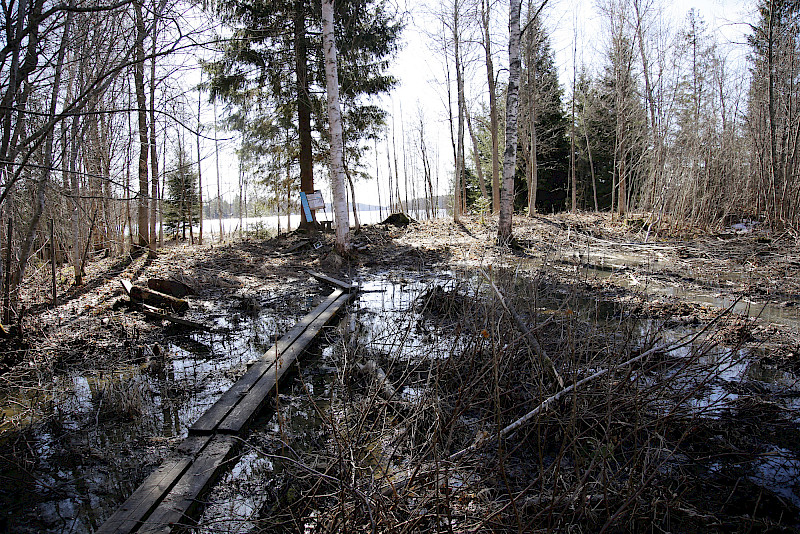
(230, 225)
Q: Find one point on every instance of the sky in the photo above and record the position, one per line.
(420, 96)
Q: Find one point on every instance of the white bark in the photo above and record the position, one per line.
(335, 124)
(512, 106)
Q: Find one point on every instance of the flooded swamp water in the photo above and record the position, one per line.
(80, 443)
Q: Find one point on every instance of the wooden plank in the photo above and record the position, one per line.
(214, 415)
(300, 244)
(331, 281)
(178, 507)
(169, 496)
(147, 497)
(248, 407)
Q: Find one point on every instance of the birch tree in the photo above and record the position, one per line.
(512, 106)
(335, 125)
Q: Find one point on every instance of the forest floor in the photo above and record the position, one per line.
(86, 368)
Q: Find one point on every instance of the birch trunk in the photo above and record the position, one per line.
(199, 169)
(459, 199)
(335, 124)
(219, 190)
(512, 106)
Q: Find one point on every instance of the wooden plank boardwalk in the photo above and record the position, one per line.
(169, 497)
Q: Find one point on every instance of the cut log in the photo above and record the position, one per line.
(170, 287)
(154, 298)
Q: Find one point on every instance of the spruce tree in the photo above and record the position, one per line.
(773, 110)
(543, 126)
(275, 59)
(182, 205)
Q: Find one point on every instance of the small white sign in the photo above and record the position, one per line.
(315, 201)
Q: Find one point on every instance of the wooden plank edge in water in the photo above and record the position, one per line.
(331, 281)
(142, 502)
(177, 508)
(245, 411)
(227, 402)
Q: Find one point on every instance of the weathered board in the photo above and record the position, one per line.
(333, 282)
(245, 411)
(169, 497)
(210, 420)
(130, 516)
(176, 507)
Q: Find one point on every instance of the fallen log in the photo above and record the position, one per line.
(170, 287)
(157, 314)
(154, 298)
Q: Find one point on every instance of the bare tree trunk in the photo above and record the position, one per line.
(477, 157)
(773, 137)
(335, 123)
(153, 153)
(459, 199)
(453, 143)
(356, 222)
(303, 105)
(241, 195)
(574, 205)
(138, 78)
(378, 179)
(396, 168)
(199, 170)
(41, 184)
(512, 106)
(533, 163)
(219, 190)
(591, 162)
(493, 120)
(405, 159)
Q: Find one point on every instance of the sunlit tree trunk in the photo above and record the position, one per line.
(199, 170)
(153, 152)
(141, 104)
(493, 119)
(512, 106)
(335, 124)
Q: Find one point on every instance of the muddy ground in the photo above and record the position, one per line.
(59, 446)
